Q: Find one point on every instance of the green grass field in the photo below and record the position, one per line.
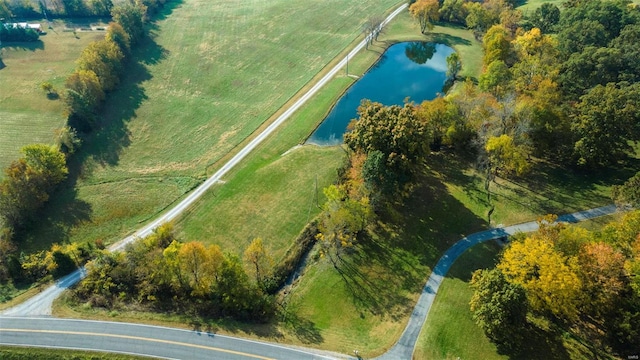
(273, 196)
(364, 305)
(209, 76)
(26, 114)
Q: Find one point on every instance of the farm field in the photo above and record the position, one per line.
(26, 114)
(210, 74)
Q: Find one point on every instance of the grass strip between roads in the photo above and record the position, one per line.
(34, 353)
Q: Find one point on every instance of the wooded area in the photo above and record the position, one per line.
(572, 99)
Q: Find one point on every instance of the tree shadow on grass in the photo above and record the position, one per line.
(211, 326)
(431, 219)
(449, 40)
(537, 344)
(53, 223)
(167, 10)
(303, 329)
(105, 145)
(481, 256)
(391, 263)
(570, 190)
(23, 46)
(65, 211)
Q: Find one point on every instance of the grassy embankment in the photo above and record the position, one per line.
(208, 77)
(27, 115)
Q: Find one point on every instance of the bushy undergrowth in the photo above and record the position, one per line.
(162, 274)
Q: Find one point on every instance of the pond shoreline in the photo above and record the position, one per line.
(414, 70)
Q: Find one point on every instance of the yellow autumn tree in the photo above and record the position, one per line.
(537, 66)
(632, 267)
(200, 265)
(426, 12)
(549, 278)
(259, 261)
(343, 218)
(505, 156)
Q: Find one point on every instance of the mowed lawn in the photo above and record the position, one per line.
(26, 114)
(208, 77)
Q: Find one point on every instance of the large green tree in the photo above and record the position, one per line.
(546, 17)
(628, 193)
(394, 130)
(131, 18)
(29, 181)
(499, 307)
(104, 58)
(607, 119)
(497, 45)
(83, 98)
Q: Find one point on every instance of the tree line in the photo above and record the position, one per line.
(587, 283)
(70, 8)
(17, 34)
(162, 273)
(30, 181)
(572, 97)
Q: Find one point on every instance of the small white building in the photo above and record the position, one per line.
(24, 25)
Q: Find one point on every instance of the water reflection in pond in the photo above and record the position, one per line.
(416, 70)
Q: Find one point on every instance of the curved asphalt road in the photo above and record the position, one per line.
(40, 304)
(403, 349)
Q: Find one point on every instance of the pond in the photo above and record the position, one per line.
(412, 69)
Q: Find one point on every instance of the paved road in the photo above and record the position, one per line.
(405, 346)
(140, 339)
(41, 304)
